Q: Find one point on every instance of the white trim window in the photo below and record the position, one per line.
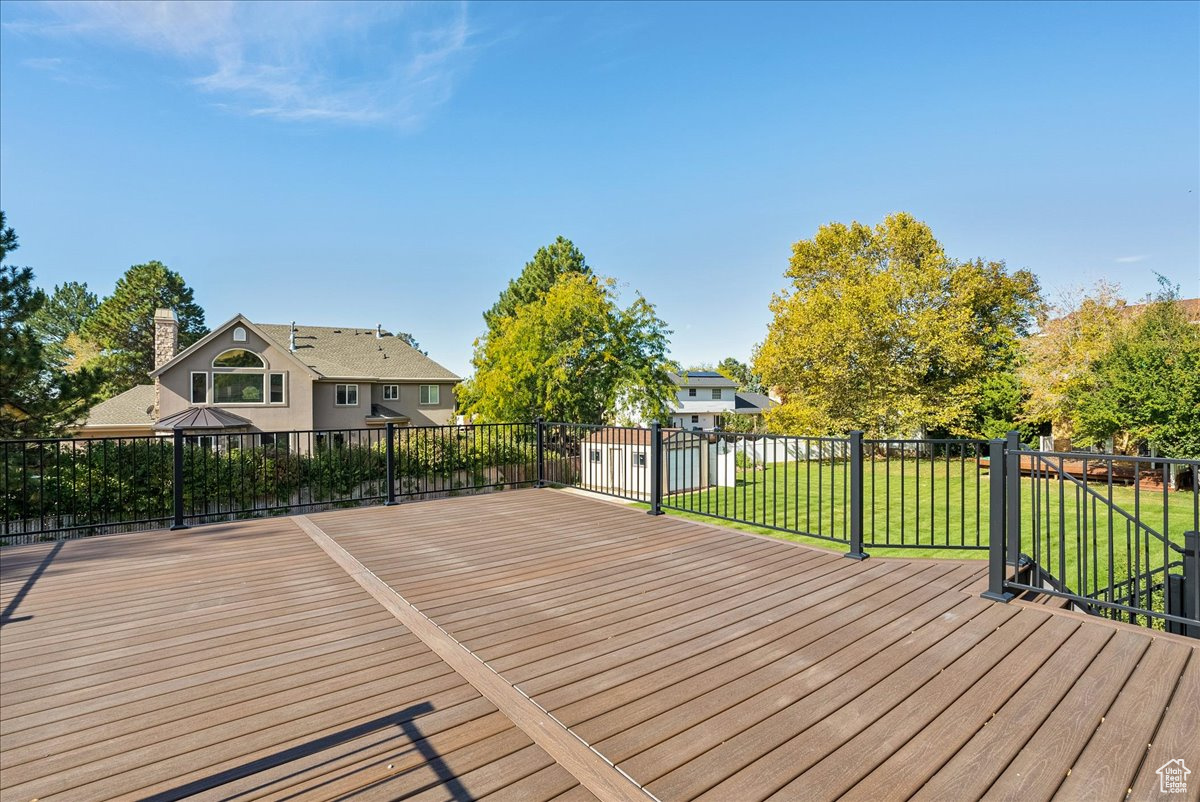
(716, 394)
(594, 456)
(430, 395)
(277, 388)
(391, 392)
(199, 389)
(239, 377)
(638, 458)
(345, 395)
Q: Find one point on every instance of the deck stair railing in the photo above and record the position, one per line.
(1078, 523)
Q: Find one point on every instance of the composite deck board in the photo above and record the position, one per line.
(239, 661)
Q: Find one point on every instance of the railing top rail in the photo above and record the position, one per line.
(1095, 456)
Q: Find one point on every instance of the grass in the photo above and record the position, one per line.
(933, 508)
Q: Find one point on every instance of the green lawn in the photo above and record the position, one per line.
(934, 508)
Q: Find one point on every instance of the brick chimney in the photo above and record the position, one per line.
(166, 344)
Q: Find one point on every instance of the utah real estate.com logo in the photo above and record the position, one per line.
(1172, 777)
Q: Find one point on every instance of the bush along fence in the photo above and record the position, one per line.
(1105, 534)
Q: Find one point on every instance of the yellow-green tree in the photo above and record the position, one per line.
(881, 331)
(1073, 335)
(570, 354)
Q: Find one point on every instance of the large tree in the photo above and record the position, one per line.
(122, 327)
(572, 354)
(1056, 363)
(35, 400)
(880, 330)
(1145, 389)
(62, 315)
(551, 262)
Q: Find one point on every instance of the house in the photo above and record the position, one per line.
(251, 377)
(703, 397)
(617, 460)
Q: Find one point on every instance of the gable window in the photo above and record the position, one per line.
(276, 388)
(345, 395)
(239, 335)
(691, 392)
(199, 388)
(391, 392)
(717, 395)
(430, 394)
(238, 358)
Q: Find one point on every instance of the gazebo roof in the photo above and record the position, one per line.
(200, 418)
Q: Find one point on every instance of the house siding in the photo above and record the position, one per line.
(330, 416)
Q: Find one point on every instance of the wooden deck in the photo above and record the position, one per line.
(535, 645)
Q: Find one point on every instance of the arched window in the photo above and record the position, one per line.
(239, 358)
(239, 377)
(239, 335)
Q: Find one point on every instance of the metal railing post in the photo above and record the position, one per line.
(541, 452)
(177, 481)
(656, 469)
(856, 497)
(1012, 510)
(996, 529)
(390, 462)
(1186, 596)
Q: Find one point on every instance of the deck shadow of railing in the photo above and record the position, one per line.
(404, 719)
(6, 617)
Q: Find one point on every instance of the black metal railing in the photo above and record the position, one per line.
(56, 489)
(799, 485)
(926, 494)
(1108, 534)
(609, 460)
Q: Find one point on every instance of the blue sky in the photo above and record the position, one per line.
(349, 165)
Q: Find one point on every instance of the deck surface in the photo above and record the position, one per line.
(535, 645)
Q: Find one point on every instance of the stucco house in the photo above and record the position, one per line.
(251, 377)
(702, 397)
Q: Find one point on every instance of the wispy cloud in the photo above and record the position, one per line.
(386, 63)
(1128, 260)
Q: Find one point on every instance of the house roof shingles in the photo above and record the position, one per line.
(703, 378)
(750, 403)
(354, 353)
(134, 407)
